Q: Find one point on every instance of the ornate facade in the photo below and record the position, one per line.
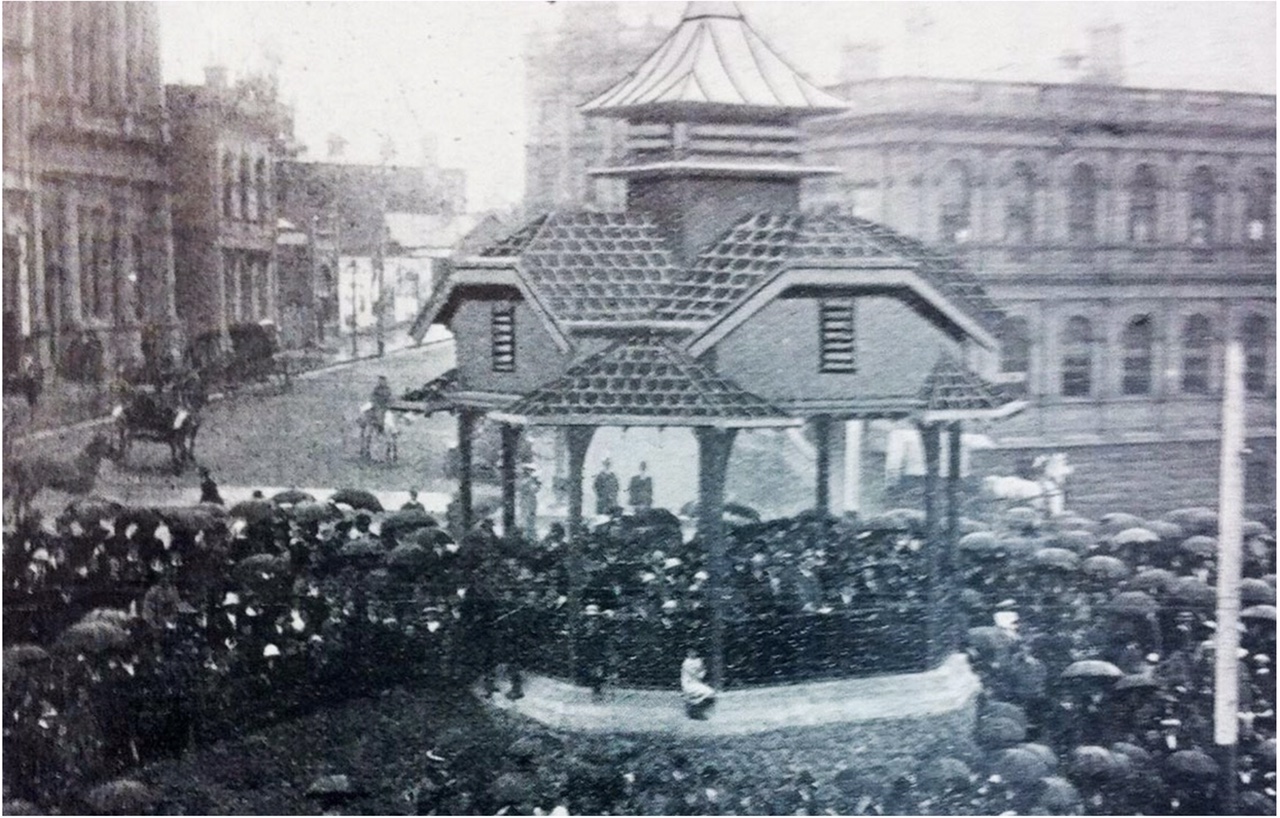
(88, 251)
(1126, 232)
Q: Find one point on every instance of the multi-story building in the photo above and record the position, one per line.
(88, 255)
(227, 142)
(564, 67)
(1126, 232)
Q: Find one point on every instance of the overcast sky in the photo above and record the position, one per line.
(361, 69)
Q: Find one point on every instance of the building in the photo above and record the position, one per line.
(1126, 232)
(586, 54)
(228, 140)
(88, 254)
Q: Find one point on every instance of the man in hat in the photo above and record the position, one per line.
(528, 495)
(413, 504)
(208, 488)
(640, 490)
(606, 487)
(381, 400)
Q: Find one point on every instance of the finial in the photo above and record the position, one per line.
(698, 10)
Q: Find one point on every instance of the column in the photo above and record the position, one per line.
(70, 294)
(510, 441)
(954, 453)
(578, 439)
(223, 268)
(466, 427)
(128, 275)
(929, 434)
(822, 447)
(166, 261)
(853, 431)
(714, 446)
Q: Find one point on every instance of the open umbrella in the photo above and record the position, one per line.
(1137, 535)
(1093, 762)
(1005, 710)
(1165, 530)
(1192, 591)
(978, 541)
(1058, 795)
(1108, 569)
(191, 520)
(93, 509)
(1157, 580)
(114, 616)
(1200, 546)
(1019, 766)
(945, 773)
(262, 569)
(990, 639)
(1076, 540)
(1000, 732)
(1194, 763)
(253, 511)
(1138, 756)
(1256, 592)
(1267, 749)
(1196, 520)
(1019, 547)
(431, 537)
(93, 637)
(1056, 559)
(1073, 522)
(314, 512)
(123, 796)
(1021, 517)
(1133, 603)
(356, 498)
(1046, 754)
(399, 523)
(1253, 528)
(1118, 521)
(1092, 669)
(19, 657)
(1266, 613)
(362, 550)
(291, 497)
(1138, 681)
(408, 558)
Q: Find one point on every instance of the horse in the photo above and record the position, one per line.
(388, 430)
(1046, 492)
(28, 475)
(173, 419)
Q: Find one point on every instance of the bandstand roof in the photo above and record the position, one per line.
(952, 391)
(713, 66)
(642, 380)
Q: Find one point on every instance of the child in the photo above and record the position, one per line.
(698, 695)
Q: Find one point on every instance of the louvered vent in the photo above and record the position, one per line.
(839, 350)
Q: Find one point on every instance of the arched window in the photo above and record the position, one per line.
(1258, 206)
(260, 176)
(1142, 206)
(1136, 341)
(1077, 358)
(245, 187)
(1200, 224)
(1020, 206)
(229, 196)
(1082, 206)
(1197, 346)
(1253, 336)
(955, 195)
(1015, 345)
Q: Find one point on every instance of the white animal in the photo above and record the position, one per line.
(1047, 492)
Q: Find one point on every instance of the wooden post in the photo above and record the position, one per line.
(1226, 694)
(932, 539)
(822, 443)
(466, 428)
(953, 495)
(714, 446)
(579, 439)
(510, 444)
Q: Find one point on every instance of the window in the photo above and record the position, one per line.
(1142, 206)
(955, 195)
(1136, 364)
(1082, 206)
(503, 323)
(1197, 345)
(260, 178)
(1254, 339)
(228, 185)
(1019, 220)
(139, 265)
(837, 341)
(244, 188)
(1200, 226)
(1015, 345)
(1258, 207)
(1077, 358)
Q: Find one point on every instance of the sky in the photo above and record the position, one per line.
(375, 71)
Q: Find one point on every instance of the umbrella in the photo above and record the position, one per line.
(113, 616)
(192, 519)
(1056, 558)
(363, 548)
(1133, 603)
(1138, 681)
(253, 511)
(1093, 762)
(93, 637)
(123, 796)
(1019, 546)
(1022, 517)
(1092, 669)
(356, 498)
(1252, 802)
(1165, 530)
(314, 512)
(1138, 756)
(1200, 545)
(432, 537)
(260, 568)
(20, 806)
(292, 497)
(1077, 541)
(513, 789)
(1193, 762)
(1109, 569)
(1261, 612)
(1253, 528)
(978, 541)
(17, 657)
(409, 558)
(1256, 592)
(1005, 710)
(1000, 732)
(1048, 756)
(1059, 795)
(971, 598)
(989, 638)
(91, 509)
(1136, 536)
(1119, 521)
(1020, 766)
(1153, 579)
(1194, 517)
(398, 523)
(1267, 749)
(1192, 590)
(946, 773)
(1072, 522)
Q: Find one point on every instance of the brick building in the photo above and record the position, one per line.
(228, 140)
(88, 260)
(1126, 232)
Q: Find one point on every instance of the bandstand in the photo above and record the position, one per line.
(714, 303)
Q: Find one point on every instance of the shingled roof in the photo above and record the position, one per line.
(642, 380)
(952, 391)
(756, 249)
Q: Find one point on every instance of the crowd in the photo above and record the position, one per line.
(133, 632)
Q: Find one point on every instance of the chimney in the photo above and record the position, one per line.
(215, 76)
(859, 61)
(1105, 64)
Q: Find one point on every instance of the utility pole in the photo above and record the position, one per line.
(387, 152)
(1226, 693)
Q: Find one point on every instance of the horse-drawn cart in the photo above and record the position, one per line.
(254, 356)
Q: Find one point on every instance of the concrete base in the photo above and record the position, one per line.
(895, 713)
